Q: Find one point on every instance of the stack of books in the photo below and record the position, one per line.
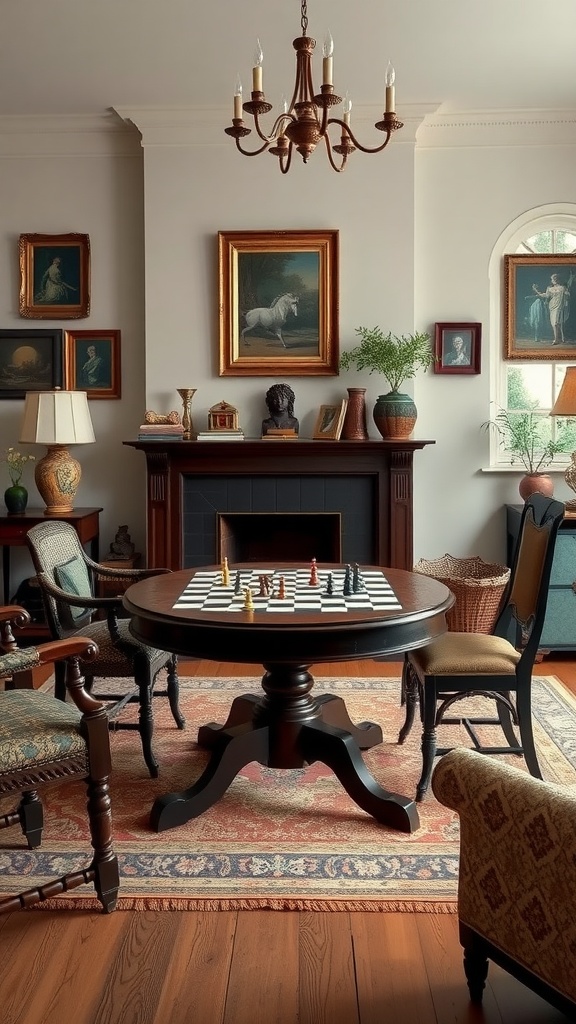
(220, 435)
(160, 431)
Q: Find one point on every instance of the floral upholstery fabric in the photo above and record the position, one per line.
(36, 729)
(517, 877)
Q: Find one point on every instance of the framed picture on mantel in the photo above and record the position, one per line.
(278, 303)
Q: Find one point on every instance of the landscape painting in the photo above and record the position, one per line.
(278, 303)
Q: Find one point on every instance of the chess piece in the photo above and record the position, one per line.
(248, 602)
(281, 588)
(329, 586)
(347, 588)
(237, 583)
(356, 579)
(313, 573)
(225, 573)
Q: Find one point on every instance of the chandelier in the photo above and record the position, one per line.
(304, 121)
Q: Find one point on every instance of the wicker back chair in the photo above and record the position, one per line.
(462, 664)
(44, 741)
(66, 576)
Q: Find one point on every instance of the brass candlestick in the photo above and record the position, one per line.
(187, 394)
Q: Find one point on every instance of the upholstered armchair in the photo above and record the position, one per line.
(517, 874)
(44, 741)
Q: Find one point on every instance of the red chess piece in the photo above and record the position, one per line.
(313, 574)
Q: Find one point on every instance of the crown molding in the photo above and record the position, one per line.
(70, 135)
(497, 128)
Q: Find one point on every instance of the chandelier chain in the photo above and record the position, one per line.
(304, 17)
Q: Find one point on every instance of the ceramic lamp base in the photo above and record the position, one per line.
(57, 477)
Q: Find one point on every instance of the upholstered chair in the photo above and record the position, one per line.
(67, 579)
(44, 741)
(458, 666)
(517, 874)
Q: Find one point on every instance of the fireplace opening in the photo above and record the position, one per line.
(279, 536)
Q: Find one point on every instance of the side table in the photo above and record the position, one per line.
(111, 586)
(13, 530)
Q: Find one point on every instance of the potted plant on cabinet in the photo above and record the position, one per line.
(523, 435)
(397, 358)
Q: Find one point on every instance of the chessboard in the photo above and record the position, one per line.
(369, 590)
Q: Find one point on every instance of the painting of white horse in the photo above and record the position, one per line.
(271, 318)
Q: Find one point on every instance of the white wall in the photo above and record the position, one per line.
(418, 225)
(86, 176)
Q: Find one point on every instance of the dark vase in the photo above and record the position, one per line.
(16, 499)
(354, 427)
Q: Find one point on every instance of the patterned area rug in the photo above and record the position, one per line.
(277, 839)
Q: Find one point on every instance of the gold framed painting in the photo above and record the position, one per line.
(540, 307)
(54, 276)
(278, 298)
(92, 363)
(330, 421)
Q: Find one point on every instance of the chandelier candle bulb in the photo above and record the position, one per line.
(347, 109)
(327, 51)
(238, 98)
(390, 97)
(257, 69)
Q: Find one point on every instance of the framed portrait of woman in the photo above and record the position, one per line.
(54, 276)
(92, 363)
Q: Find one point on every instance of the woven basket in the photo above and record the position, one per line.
(478, 587)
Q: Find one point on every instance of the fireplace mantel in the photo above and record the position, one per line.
(386, 464)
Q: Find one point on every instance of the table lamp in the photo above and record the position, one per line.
(58, 419)
(565, 405)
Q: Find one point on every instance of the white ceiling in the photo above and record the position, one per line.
(86, 56)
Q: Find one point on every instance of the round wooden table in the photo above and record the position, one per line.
(286, 726)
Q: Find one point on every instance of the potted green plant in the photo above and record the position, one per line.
(397, 358)
(523, 435)
(16, 496)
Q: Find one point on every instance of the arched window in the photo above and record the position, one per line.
(521, 385)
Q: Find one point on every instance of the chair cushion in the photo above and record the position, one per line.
(113, 660)
(73, 577)
(36, 729)
(466, 654)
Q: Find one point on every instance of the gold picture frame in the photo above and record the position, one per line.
(278, 303)
(539, 306)
(54, 276)
(330, 421)
(92, 363)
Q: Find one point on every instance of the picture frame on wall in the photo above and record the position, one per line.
(330, 421)
(278, 300)
(540, 306)
(457, 348)
(54, 276)
(30, 360)
(92, 363)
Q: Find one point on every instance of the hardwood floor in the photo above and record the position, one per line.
(252, 967)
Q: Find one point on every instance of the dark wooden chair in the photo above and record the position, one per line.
(462, 665)
(516, 874)
(67, 578)
(44, 741)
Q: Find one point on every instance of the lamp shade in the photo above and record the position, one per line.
(565, 404)
(56, 417)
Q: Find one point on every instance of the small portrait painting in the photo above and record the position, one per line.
(54, 276)
(93, 363)
(457, 348)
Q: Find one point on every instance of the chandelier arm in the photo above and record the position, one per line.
(254, 152)
(346, 128)
(285, 162)
(333, 164)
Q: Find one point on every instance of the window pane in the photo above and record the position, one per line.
(529, 385)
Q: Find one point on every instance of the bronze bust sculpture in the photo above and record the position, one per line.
(280, 400)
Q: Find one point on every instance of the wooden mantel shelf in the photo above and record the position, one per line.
(169, 462)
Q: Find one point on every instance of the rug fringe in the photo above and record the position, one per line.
(155, 903)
